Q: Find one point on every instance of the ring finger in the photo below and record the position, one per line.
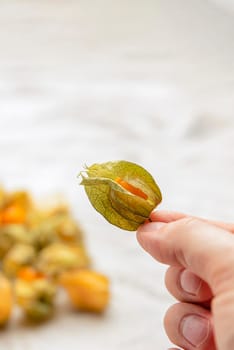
(190, 327)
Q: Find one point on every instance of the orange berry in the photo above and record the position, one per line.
(29, 274)
(132, 189)
(13, 214)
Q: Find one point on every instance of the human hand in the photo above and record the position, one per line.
(200, 276)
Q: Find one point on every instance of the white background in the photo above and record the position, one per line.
(91, 81)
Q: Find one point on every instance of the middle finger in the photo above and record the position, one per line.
(187, 287)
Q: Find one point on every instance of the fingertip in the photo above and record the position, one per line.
(148, 229)
(166, 216)
(189, 326)
(148, 236)
(186, 286)
(151, 226)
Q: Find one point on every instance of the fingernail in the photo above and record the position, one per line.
(195, 329)
(151, 226)
(190, 283)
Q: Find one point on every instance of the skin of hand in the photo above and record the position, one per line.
(200, 255)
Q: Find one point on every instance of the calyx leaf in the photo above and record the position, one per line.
(123, 192)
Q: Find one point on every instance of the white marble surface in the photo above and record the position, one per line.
(148, 81)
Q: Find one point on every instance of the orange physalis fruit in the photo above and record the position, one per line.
(13, 214)
(130, 188)
(29, 274)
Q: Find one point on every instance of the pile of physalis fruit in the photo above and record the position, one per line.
(42, 251)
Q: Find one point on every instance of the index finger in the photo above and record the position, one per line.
(204, 249)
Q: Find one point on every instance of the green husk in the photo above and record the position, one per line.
(117, 204)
